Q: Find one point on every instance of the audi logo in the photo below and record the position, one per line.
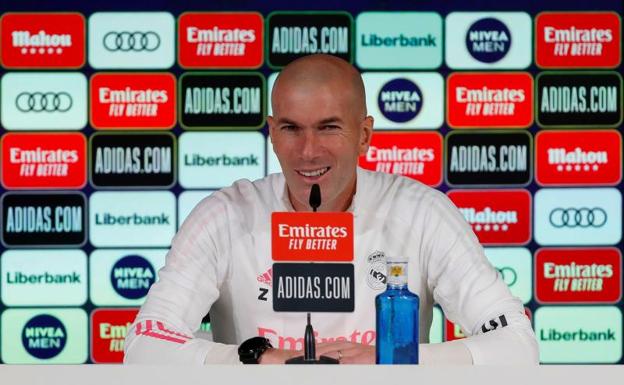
(578, 217)
(131, 41)
(508, 275)
(43, 101)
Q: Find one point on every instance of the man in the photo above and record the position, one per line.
(220, 259)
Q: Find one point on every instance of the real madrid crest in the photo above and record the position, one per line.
(376, 277)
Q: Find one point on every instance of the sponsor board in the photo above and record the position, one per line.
(273, 164)
(514, 266)
(578, 157)
(417, 155)
(436, 331)
(187, 201)
(125, 40)
(43, 101)
(313, 287)
(205, 162)
(398, 40)
(41, 160)
(43, 219)
(496, 216)
(44, 277)
(220, 39)
(578, 216)
(495, 40)
(132, 160)
(291, 35)
(489, 99)
(132, 219)
(108, 332)
(122, 277)
(44, 336)
(578, 40)
(578, 99)
(483, 158)
(452, 331)
(133, 100)
(584, 275)
(579, 334)
(43, 40)
(405, 100)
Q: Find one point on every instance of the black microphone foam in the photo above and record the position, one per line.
(315, 196)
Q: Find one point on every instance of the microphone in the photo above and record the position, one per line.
(315, 197)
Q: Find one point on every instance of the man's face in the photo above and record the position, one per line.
(318, 135)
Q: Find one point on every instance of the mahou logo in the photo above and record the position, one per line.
(490, 100)
(44, 160)
(496, 216)
(416, 155)
(43, 40)
(578, 157)
(133, 100)
(108, 332)
(578, 40)
(587, 275)
(221, 40)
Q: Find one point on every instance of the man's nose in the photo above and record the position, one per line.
(310, 147)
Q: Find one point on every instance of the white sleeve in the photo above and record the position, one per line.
(471, 293)
(187, 287)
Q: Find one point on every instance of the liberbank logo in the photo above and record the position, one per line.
(43, 40)
(109, 328)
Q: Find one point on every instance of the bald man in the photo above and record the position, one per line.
(220, 259)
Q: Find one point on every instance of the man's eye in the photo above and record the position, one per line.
(289, 127)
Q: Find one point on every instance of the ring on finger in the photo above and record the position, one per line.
(339, 355)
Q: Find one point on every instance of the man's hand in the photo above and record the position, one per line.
(347, 352)
(278, 356)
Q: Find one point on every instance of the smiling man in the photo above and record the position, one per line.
(220, 259)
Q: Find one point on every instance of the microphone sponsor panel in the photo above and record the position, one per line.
(579, 99)
(132, 218)
(44, 101)
(490, 99)
(483, 158)
(584, 275)
(187, 201)
(398, 40)
(125, 40)
(405, 100)
(514, 266)
(133, 100)
(221, 39)
(291, 35)
(494, 40)
(578, 40)
(417, 155)
(122, 277)
(108, 332)
(44, 219)
(578, 157)
(213, 160)
(44, 336)
(44, 277)
(56, 161)
(497, 217)
(579, 334)
(132, 160)
(222, 100)
(578, 216)
(43, 40)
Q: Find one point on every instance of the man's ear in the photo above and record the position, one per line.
(366, 134)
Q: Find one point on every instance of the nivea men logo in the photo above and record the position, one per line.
(35, 219)
(292, 35)
(44, 336)
(132, 276)
(400, 100)
(579, 99)
(222, 100)
(485, 158)
(488, 40)
(132, 160)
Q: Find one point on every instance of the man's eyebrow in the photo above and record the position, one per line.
(287, 121)
(333, 119)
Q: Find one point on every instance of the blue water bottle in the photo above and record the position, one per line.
(397, 318)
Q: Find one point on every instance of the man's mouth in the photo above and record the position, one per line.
(313, 173)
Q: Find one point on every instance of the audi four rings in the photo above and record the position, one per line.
(578, 217)
(43, 101)
(131, 41)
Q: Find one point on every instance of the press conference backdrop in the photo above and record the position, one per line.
(118, 117)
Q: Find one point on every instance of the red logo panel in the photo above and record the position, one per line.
(490, 100)
(592, 275)
(452, 331)
(496, 216)
(44, 160)
(416, 155)
(133, 100)
(108, 332)
(578, 40)
(221, 40)
(43, 40)
(578, 157)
